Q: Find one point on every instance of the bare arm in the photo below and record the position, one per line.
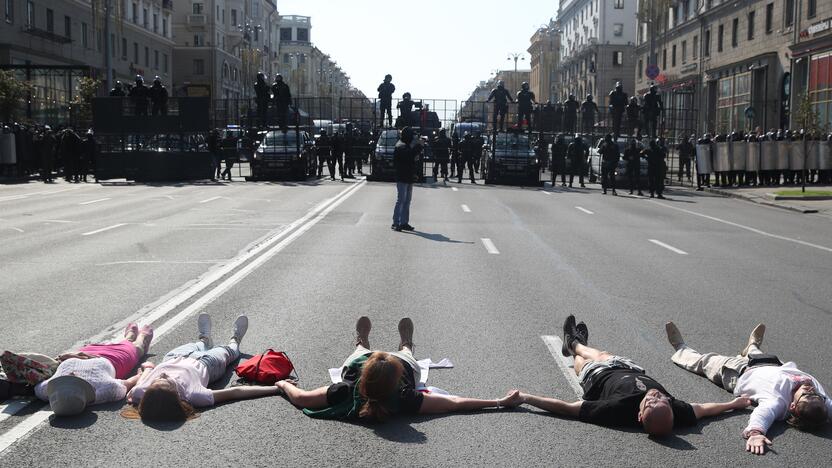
(437, 404)
(241, 393)
(553, 405)
(707, 410)
(310, 399)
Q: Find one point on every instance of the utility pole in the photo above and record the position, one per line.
(108, 56)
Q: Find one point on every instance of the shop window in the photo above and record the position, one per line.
(733, 97)
(820, 86)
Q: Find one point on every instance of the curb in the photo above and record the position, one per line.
(759, 200)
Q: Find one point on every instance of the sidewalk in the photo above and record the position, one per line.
(762, 195)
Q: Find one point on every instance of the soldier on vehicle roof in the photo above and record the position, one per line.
(282, 98)
(262, 98)
(525, 103)
(653, 108)
(385, 99)
(570, 114)
(140, 95)
(158, 98)
(589, 110)
(500, 96)
(618, 105)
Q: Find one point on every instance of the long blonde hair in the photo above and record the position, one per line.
(380, 378)
(160, 405)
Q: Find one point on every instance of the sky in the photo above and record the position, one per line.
(434, 49)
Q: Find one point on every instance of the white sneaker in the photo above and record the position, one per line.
(240, 328)
(203, 323)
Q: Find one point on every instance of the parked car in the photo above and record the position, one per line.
(509, 157)
(621, 176)
(284, 154)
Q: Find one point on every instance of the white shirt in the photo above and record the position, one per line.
(99, 372)
(772, 387)
(190, 376)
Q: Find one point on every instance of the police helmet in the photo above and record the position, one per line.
(524, 86)
(139, 80)
(118, 84)
(619, 86)
(501, 84)
(406, 96)
(157, 80)
(388, 77)
(278, 77)
(589, 97)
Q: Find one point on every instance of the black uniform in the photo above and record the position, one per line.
(500, 96)
(70, 151)
(323, 148)
(159, 99)
(610, 155)
(618, 105)
(541, 150)
(653, 107)
(282, 99)
(471, 150)
(455, 149)
(632, 154)
(118, 91)
(655, 168)
(46, 146)
(577, 152)
(140, 95)
(525, 99)
(686, 154)
(441, 154)
(336, 156)
(385, 100)
(588, 112)
(570, 114)
(559, 160)
(405, 107)
(633, 116)
(88, 156)
(214, 149)
(262, 98)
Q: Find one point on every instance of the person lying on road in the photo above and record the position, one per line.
(171, 390)
(781, 391)
(617, 392)
(377, 385)
(96, 373)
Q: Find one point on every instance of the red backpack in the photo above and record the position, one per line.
(266, 368)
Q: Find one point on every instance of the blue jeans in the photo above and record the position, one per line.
(401, 213)
(216, 359)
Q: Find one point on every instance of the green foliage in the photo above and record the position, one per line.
(806, 117)
(82, 101)
(12, 94)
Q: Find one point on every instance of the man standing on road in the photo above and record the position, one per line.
(610, 155)
(322, 150)
(633, 157)
(454, 153)
(441, 153)
(781, 391)
(577, 152)
(500, 96)
(385, 100)
(559, 149)
(214, 149)
(655, 156)
(686, 152)
(336, 156)
(619, 393)
(618, 104)
(405, 158)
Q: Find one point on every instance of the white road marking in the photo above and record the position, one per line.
(747, 228)
(60, 191)
(544, 192)
(211, 199)
(177, 297)
(12, 197)
(465, 208)
(668, 247)
(16, 229)
(566, 365)
(104, 229)
(455, 189)
(57, 221)
(169, 197)
(12, 407)
(95, 201)
(489, 246)
(584, 210)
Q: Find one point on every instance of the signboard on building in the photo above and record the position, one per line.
(816, 28)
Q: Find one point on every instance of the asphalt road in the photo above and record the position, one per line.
(305, 260)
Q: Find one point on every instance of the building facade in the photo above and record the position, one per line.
(53, 43)
(812, 58)
(544, 51)
(596, 47)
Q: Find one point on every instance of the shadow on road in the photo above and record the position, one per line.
(436, 237)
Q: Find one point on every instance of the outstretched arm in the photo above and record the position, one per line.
(310, 399)
(553, 405)
(436, 404)
(707, 410)
(241, 393)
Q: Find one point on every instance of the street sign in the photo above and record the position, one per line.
(652, 71)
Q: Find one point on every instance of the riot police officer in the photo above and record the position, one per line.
(588, 112)
(158, 98)
(653, 108)
(385, 100)
(405, 107)
(559, 149)
(632, 154)
(139, 95)
(262, 98)
(347, 142)
(455, 149)
(118, 90)
(469, 154)
(322, 150)
(282, 96)
(702, 177)
(557, 117)
(617, 106)
(610, 155)
(336, 156)
(525, 106)
(633, 116)
(655, 155)
(577, 152)
(686, 154)
(541, 150)
(500, 96)
(570, 113)
(441, 148)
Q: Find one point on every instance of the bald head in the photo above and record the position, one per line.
(655, 414)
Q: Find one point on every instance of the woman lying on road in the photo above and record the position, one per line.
(96, 373)
(171, 390)
(377, 385)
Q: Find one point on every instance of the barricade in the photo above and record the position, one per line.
(8, 151)
(783, 150)
(768, 155)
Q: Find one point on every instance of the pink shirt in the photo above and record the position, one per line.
(190, 376)
(124, 356)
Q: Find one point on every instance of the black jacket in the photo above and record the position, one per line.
(404, 162)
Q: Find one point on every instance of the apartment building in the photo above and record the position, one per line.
(221, 45)
(544, 52)
(53, 43)
(811, 56)
(596, 47)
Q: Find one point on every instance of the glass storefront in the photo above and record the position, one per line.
(733, 97)
(820, 86)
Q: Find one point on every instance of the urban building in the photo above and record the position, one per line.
(812, 58)
(474, 108)
(544, 52)
(53, 43)
(596, 47)
(221, 45)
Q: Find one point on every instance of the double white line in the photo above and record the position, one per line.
(260, 252)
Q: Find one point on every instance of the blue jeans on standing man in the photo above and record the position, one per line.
(401, 214)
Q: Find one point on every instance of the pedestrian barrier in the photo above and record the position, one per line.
(752, 156)
(768, 155)
(783, 158)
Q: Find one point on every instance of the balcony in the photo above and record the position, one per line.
(197, 21)
(43, 34)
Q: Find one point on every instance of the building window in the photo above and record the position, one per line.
(695, 49)
(67, 27)
(145, 18)
(50, 20)
(233, 17)
(9, 11)
(124, 48)
(811, 8)
(707, 45)
(733, 97)
(223, 15)
(303, 34)
(165, 62)
(788, 13)
(30, 14)
(155, 59)
(199, 40)
(769, 17)
(286, 58)
(198, 8)
(155, 23)
(256, 34)
(735, 29)
(719, 37)
(85, 41)
(147, 56)
(135, 11)
(619, 4)
(684, 52)
(285, 34)
(199, 67)
(113, 45)
(750, 25)
(618, 29)
(136, 53)
(640, 69)
(617, 58)
(165, 27)
(664, 59)
(673, 56)
(820, 86)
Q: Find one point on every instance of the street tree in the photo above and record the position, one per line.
(13, 92)
(808, 119)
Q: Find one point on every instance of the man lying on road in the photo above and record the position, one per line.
(617, 392)
(781, 391)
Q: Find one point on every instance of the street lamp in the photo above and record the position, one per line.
(248, 52)
(516, 56)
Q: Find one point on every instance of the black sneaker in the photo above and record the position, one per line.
(397, 229)
(570, 333)
(583, 333)
(393, 227)
(407, 227)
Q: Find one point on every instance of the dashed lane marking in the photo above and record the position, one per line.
(580, 208)
(668, 247)
(566, 365)
(114, 226)
(455, 189)
(211, 199)
(465, 208)
(94, 201)
(489, 246)
(16, 229)
(544, 192)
